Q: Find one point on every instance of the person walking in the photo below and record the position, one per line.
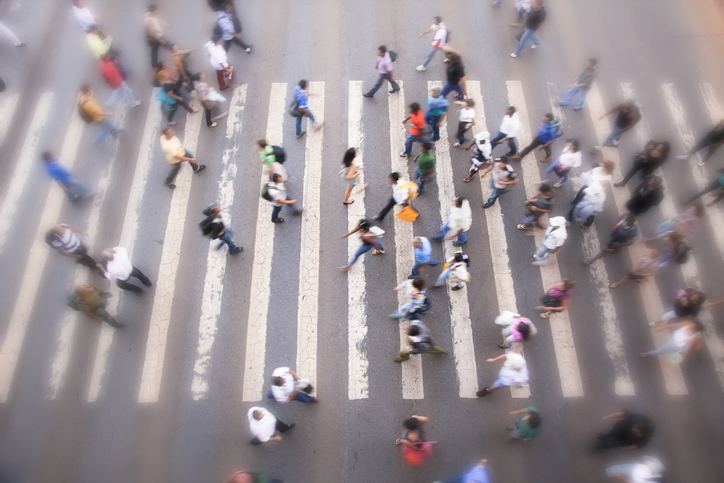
(570, 158)
(63, 239)
(400, 194)
(557, 298)
(213, 227)
(627, 116)
(631, 431)
(423, 255)
(648, 194)
(264, 424)
(97, 42)
(229, 28)
(301, 99)
(647, 265)
(205, 93)
(220, 63)
(170, 95)
(645, 469)
(581, 86)
(114, 79)
(554, 238)
(533, 23)
(647, 161)
(481, 157)
(92, 302)
(686, 340)
(370, 241)
(384, 68)
(586, 206)
(437, 107)
(272, 157)
(417, 124)
(477, 474)
(73, 188)
(287, 386)
(712, 140)
(716, 187)
(91, 112)
(455, 77)
(546, 135)
(175, 155)
(527, 427)
(439, 38)
(622, 235)
(425, 168)
(467, 119)
(415, 289)
(455, 269)
(83, 16)
(154, 33)
(514, 373)
(674, 250)
(537, 205)
(278, 196)
(120, 269)
(503, 179)
(509, 129)
(418, 341)
(458, 223)
(352, 171)
(516, 330)
(414, 444)
(686, 307)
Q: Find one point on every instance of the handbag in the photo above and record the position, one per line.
(408, 213)
(549, 300)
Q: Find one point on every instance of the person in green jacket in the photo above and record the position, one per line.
(527, 427)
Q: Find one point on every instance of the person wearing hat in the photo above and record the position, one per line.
(513, 373)
(553, 239)
(120, 269)
(481, 155)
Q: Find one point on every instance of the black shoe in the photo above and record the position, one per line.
(290, 426)
(147, 283)
(392, 91)
(458, 244)
(200, 168)
(368, 95)
(236, 250)
(171, 185)
(483, 392)
(487, 205)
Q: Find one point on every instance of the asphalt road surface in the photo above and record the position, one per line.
(165, 398)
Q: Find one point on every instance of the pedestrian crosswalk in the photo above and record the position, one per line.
(469, 372)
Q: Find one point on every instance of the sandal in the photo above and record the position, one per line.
(378, 252)
(213, 124)
(545, 315)
(278, 220)
(468, 179)
(348, 202)
(523, 227)
(544, 159)
(502, 346)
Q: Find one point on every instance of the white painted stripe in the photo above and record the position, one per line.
(673, 379)
(690, 270)
(462, 328)
(308, 308)
(216, 259)
(28, 158)
(6, 114)
(504, 286)
(33, 272)
(357, 362)
(149, 141)
(563, 343)
(412, 387)
(63, 348)
(167, 271)
(261, 271)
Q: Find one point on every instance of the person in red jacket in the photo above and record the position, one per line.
(112, 74)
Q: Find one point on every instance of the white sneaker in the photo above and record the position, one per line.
(615, 142)
(701, 162)
(557, 185)
(136, 103)
(534, 46)
(247, 50)
(683, 157)
(420, 68)
(456, 145)
(513, 55)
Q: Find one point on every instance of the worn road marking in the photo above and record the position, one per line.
(6, 114)
(28, 158)
(216, 259)
(128, 238)
(261, 271)
(563, 344)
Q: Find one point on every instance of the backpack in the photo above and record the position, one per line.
(205, 225)
(393, 55)
(412, 189)
(265, 192)
(279, 154)
(425, 308)
(83, 114)
(294, 110)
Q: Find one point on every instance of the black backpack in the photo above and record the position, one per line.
(279, 154)
(205, 225)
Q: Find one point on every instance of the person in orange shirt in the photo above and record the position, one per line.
(417, 116)
(91, 112)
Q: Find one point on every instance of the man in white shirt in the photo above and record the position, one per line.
(263, 425)
(288, 386)
(458, 223)
(509, 129)
(228, 28)
(553, 239)
(400, 195)
(279, 196)
(83, 16)
(220, 62)
(439, 38)
(120, 269)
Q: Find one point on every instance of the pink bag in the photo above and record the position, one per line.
(417, 456)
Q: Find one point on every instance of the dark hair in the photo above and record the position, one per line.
(382, 49)
(365, 223)
(303, 83)
(427, 145)
(261, 142)
(395, 176)
(415, 107)
(215, 38)
(503, 159)
(470, 102)
(593, 61)
(209, 210)
(47, 156)
(85, 88)
(524, 330)
(545, 188)
(276, 176)
(278, 381)
(454, 58)
(534, 419)
(459, 257)
(512, 108)
(655, 181)
(459, 201)
(411, 424)
(698, 325)
(438, 18)
(418, 283)
(568, 284)
(349, 157)
(667, 147)
(549, 116)
(576, 144)
(152, 8)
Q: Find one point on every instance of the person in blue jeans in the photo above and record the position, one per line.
(213, 227)
(627, 115)
(503, 179)
(279, 196)
(369, 241)
(301, 95)
(437, 107)
(459, 222)
(547, 134)
(423, 255)
(581, 86)
(478, 474)
(570, 158)
(287, 386)
(425, 168)
(73, 188)
(533, 23)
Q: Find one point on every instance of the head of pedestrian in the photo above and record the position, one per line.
(510, 111)
(458, 202)
(216, 39)
(454, 58)
(533, 419)
(591, 63)
(661, 149)
(608, 166)
(524, 330)
(79, 3)
(82, 290)
(303, 84)
(435, 92)
(394, 178)
(94, 29)
(349, 156)
(568, 284)
(108, 254)
(417, 242)
(697, 297)
(418, 284)
(257, 415)
(152, 9)
(655, 181)
(85, 90)
(381, 50)
(546, 190)
(414, 108)
(469, 102)
(537, 4)
(426, 147)
(277, 381)
(58, 230)
(502, 162)
(261, 144)
(48, 157)
(228, 7)
(437, 20)
(412, 331)
(573, 145)
(365, 224)
(211, 210)
(628, 105)
(168, 132)
(548, 118)
(277, 178)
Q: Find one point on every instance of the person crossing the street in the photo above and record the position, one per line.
(120, 269)
(213, 227)
(175, 155)
(384, 68)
